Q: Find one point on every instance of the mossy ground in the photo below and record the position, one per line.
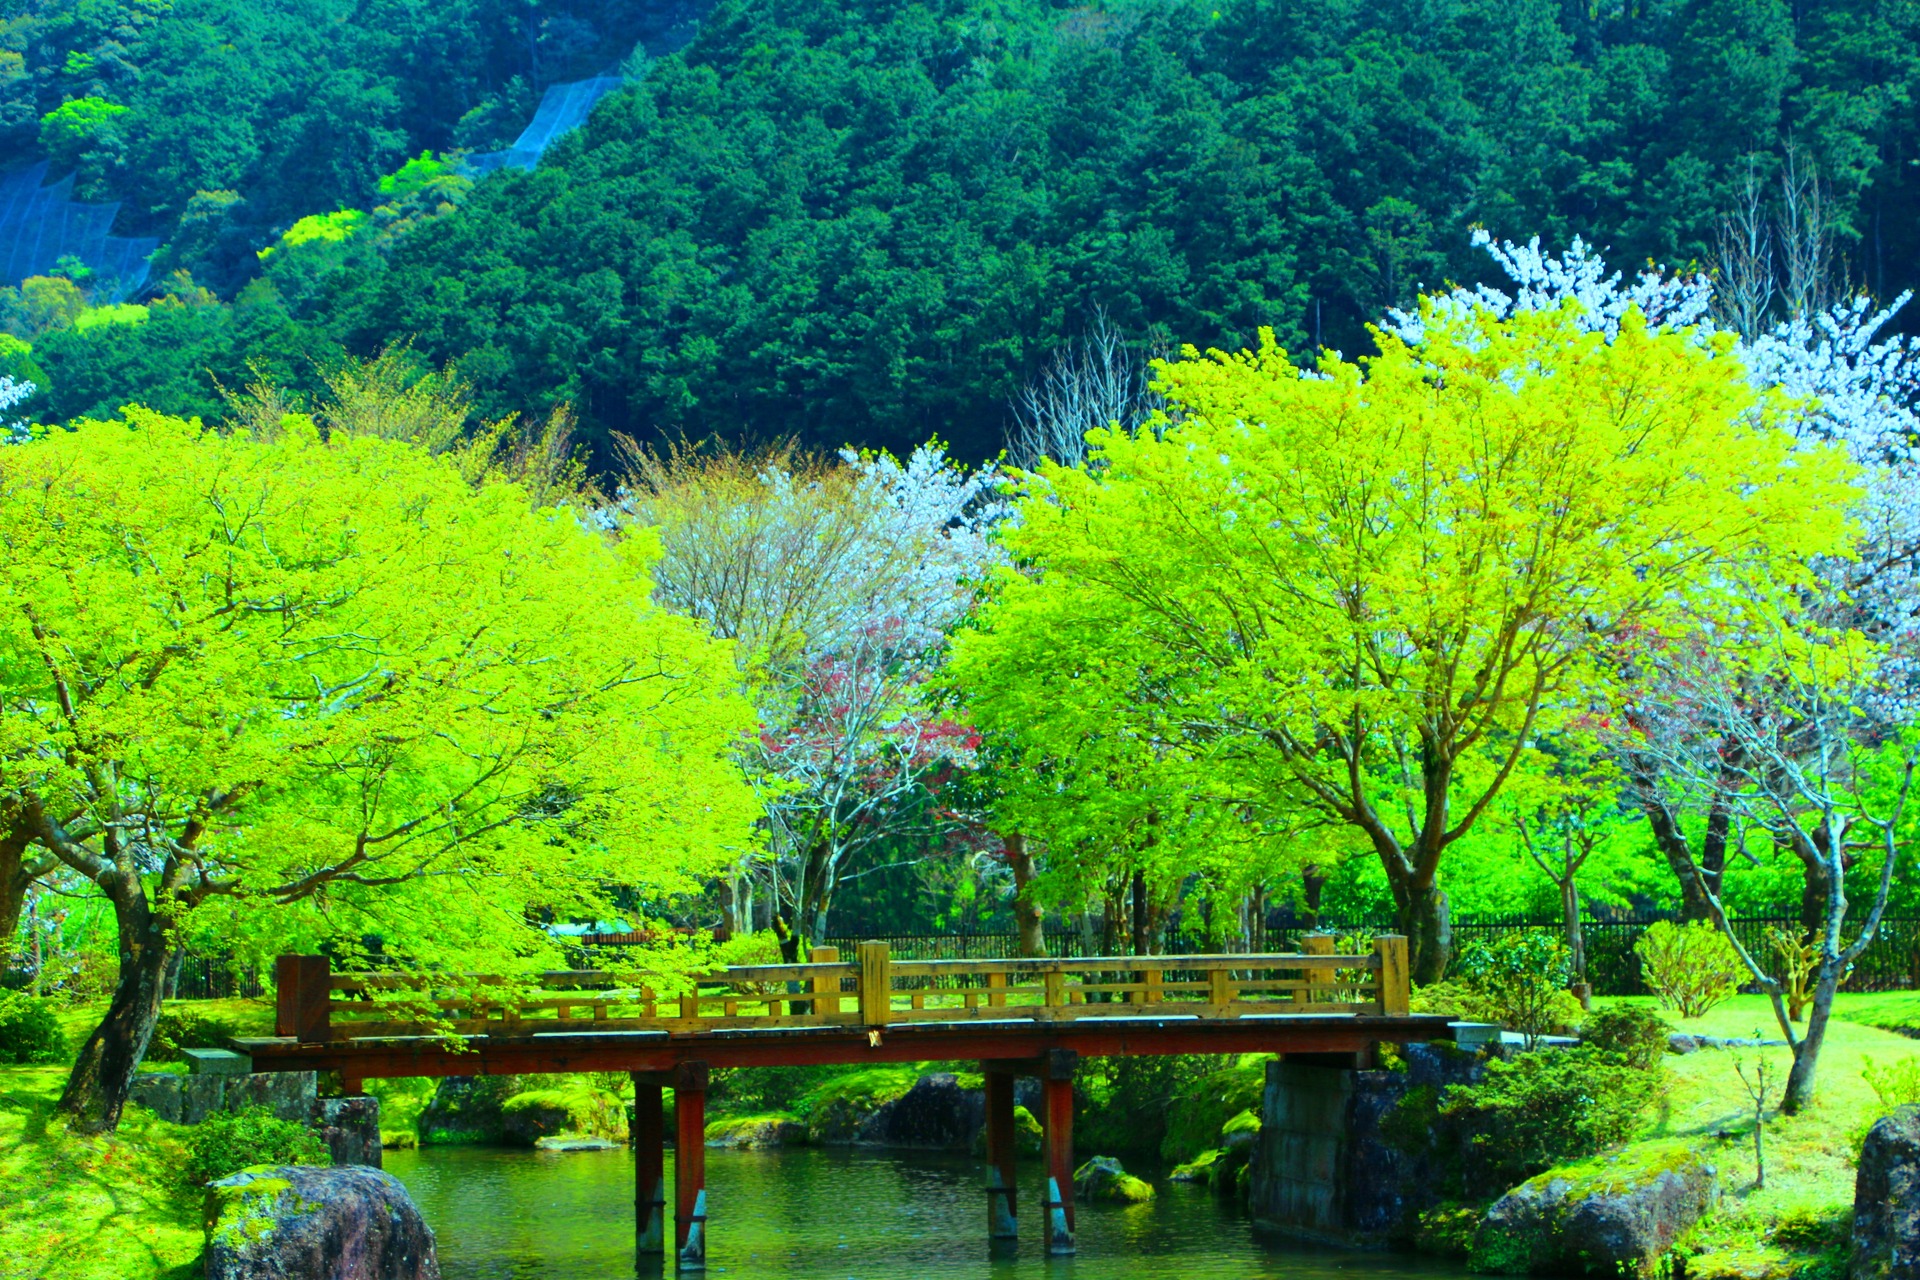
(1796, 1223)
(78, 1208)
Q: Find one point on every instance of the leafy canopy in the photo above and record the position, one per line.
(1354, 594)
(335, 674)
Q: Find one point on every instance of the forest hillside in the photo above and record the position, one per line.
(872, 221)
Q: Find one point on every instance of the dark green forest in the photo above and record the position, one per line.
(870, 221)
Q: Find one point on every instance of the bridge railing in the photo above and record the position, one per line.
(869, 990)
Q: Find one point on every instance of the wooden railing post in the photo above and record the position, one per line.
(826, 991)
(302, 987)
(1392, 990)
(876, 984)
(1317, 944)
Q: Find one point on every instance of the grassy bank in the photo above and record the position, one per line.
(77, 1208)
(1796, 1224)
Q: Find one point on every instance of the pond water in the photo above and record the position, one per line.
(813, 1214)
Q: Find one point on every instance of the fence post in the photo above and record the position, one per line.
(826, 991)
(876, 984)
(1391, 987)
(1317, 944)
(302, 987)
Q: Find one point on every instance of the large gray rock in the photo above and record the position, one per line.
(350, 1127)
(936, 1113)
(1886, 1200)
(302, 1223)
(1613, 1215)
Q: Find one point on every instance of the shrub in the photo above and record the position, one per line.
(1520, 981)
(29, 1031)
(1691, 967)
(1795, 951)
(1634, 1032)
(233, 1141)
(1454, 998)
(1524, 1117)
(189, 1029)
(1895, 1084)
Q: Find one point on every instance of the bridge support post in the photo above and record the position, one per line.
(1056, 1090)
(690, 1167)
(648, 1138)
(1002, 1207)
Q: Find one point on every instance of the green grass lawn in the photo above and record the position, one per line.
(1794, 1223)
(76, 1208)
(107, 1208)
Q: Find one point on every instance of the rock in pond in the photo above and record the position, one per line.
(1886, 1200)
(574, 1144)
(752, 1132)
(308, 1223)
(1612, 1215)
(935, 1113)
(1103, 1178)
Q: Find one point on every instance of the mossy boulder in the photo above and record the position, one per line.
(1027, 1134)
(778, 1129)
(1103, 1178)
(1241, 1133)
(572, 1109)
(1617, 1214)
(836, 1109)
(305, 1223)
(1886, 1200)
(1199, 1169)
(942, 1112)
(519, 1111)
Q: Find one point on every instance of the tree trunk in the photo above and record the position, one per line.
(1672, 843)
(1312, 882)
(1027, 916)
(1713, 846)
(102, 1077)
(1427, 921)
(1806, 1054)
(170, 984)
(1139, 912)
(15, 877)
(1576, 941)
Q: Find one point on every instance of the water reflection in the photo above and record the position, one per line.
(807, 1214)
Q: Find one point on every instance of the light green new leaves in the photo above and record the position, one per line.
(334, 674)
(1355, 593)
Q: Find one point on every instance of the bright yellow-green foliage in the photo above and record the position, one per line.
(69, 128)
(112, 313)
(1351, 596)
(318, 228)
(338, 675)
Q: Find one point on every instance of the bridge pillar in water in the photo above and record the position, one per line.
(648, 1138)
(1056, 1094)
(1002, 1139)
(690, 1167)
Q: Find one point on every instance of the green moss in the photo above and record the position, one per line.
(735, 1129)
(1202, 1108)
(90, 1208)
(1200, 1168)
(1245, 1122)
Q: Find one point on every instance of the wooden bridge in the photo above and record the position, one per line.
(1034, 1017)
